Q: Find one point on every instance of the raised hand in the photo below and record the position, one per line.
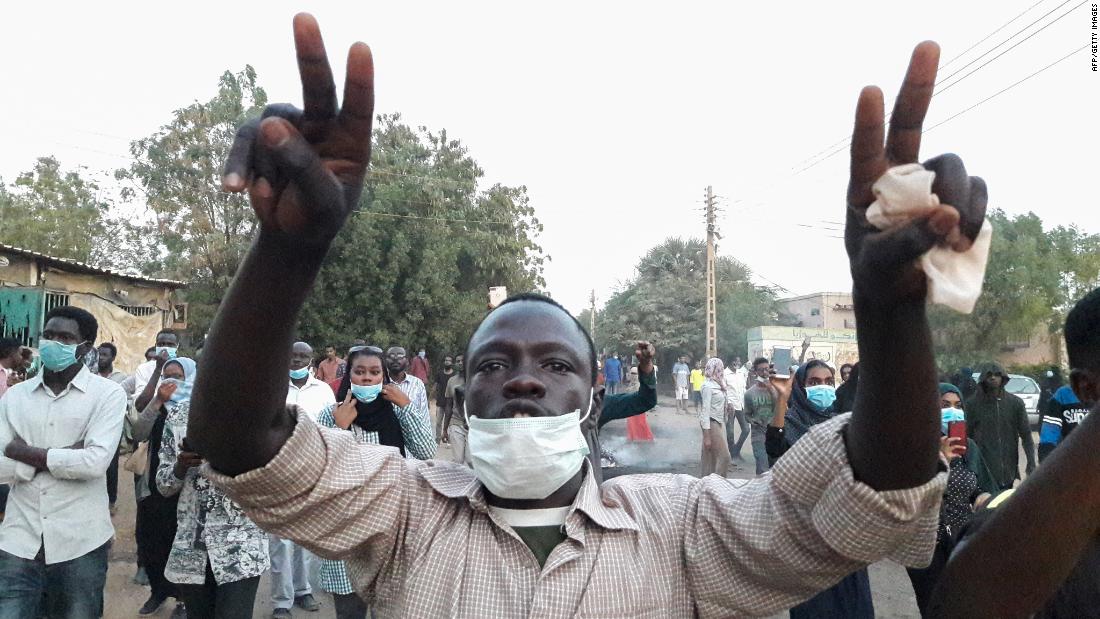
(304, 169)
(165, 391)
(395, 396)
(346, 412)
(883, 263)
(645, 352)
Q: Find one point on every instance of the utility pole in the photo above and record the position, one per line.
(592, 315)
(712, 314)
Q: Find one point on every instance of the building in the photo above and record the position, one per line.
(833, 346)
(130, 309)
(821, 310)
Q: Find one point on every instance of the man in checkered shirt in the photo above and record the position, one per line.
(437, 539)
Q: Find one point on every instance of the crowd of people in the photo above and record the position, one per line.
(244, 468)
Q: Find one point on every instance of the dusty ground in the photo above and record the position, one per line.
(676, 449)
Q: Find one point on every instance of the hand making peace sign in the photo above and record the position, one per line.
(883, 263)
(304, 169)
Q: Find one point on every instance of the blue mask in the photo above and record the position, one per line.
(300, 373)
(182, 392)
(171, 351)
(56, 356)
(950, 414)
(366, 393)
(822, 396)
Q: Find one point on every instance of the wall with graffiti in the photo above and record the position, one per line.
(833, 346)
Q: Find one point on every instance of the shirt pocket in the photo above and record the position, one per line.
(65, 429)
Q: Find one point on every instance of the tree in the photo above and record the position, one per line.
(666, 303)
(432, 242)
(1033, 277)
(54, 212)
(204, 232)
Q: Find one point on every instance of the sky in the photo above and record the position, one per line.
(614, 115)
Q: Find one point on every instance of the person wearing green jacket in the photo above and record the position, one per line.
(995, 419)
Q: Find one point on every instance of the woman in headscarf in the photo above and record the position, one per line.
(811, 401)
(716, 452)
(156, 518)
(968, 483)
(375, 411)
(218, 554)
(846, 393)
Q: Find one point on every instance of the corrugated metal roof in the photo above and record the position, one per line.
(75, 266)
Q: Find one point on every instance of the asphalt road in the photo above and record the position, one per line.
(675, 450)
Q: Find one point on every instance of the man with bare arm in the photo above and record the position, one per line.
(527, 529)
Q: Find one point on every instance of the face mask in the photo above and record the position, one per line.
(300, 373)
(949, 415)
(761, 380)
(56, 356)
(527, 457)
(422, 354)
(182, 392)
(366, 393)
(822, 396)
(171, 351)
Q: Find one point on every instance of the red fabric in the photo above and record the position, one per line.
(420, 369)
(637, 428)
(335, 384)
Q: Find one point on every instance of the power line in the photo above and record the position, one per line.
(988, 36)
(1017, 44)
(444, 219)
(1005, 89)
(842, 148)
(843, 142)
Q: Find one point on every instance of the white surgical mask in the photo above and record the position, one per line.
(527, 457)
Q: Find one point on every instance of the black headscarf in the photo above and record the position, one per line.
(802, 414)
(377, 415)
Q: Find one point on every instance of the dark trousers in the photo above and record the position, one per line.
(112, 480)
(233, 600)
(155, 532)
(71, 589)
(349, 606)
(924, 579)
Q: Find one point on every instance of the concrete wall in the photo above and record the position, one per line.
(834, 346)
(834, 310)
(1043, 348)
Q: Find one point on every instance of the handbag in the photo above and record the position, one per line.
(138, 461)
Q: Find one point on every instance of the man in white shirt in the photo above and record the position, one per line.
(59, 431)
(290, 563)
(141, 386)
(737, 378)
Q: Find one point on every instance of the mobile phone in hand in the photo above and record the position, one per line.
(184, 446)
(781, 360)
(957, 429)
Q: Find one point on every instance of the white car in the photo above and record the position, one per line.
(1027, 390)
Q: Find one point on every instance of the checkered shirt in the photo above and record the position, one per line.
(419, 540)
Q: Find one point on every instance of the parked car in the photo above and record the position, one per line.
(1027, 390)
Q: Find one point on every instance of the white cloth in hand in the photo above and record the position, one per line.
(954, 278)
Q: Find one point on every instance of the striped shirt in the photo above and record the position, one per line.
(420, 541)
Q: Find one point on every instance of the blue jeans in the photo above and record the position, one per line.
(611, 388)
(73, 589)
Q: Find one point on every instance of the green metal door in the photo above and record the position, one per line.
(21, 314)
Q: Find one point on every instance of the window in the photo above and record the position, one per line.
(140, 310)
(55, 300)
(815, 311)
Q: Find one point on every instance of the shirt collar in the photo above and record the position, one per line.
(80, 381)
(456, 481)
(312, 381)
